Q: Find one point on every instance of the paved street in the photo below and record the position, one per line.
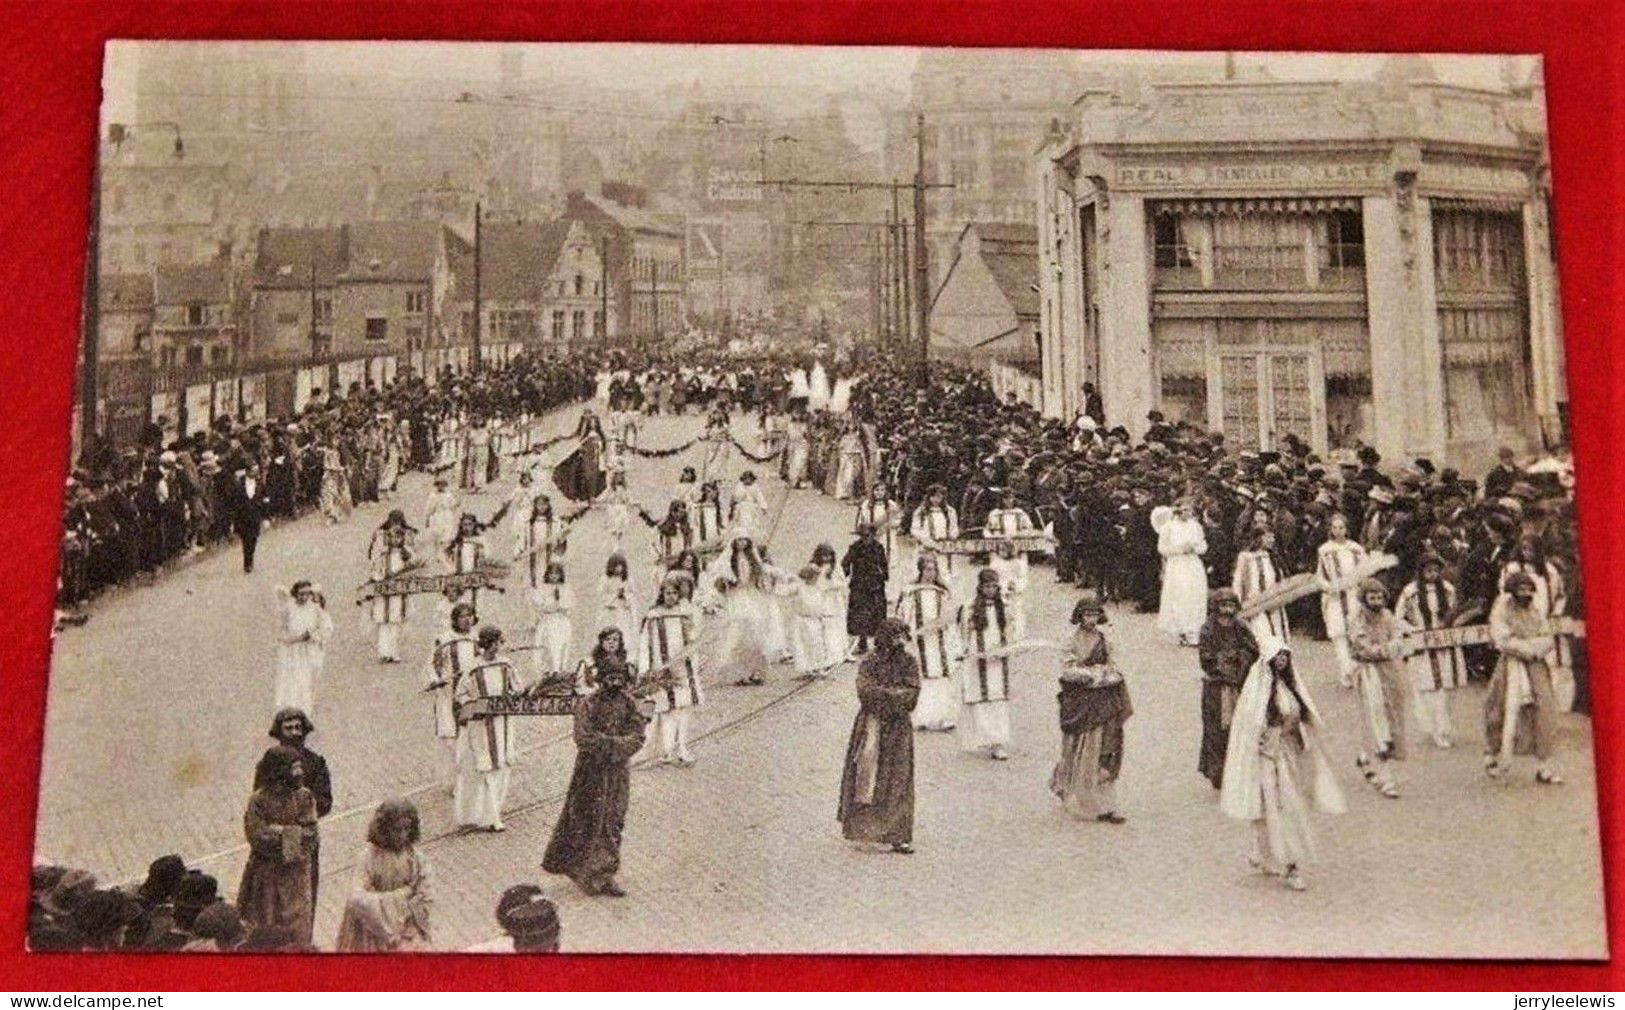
(159, 706)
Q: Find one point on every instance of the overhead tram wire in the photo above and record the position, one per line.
(489, 101)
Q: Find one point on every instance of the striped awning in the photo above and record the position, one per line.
(1294, 205)
(1499, 205)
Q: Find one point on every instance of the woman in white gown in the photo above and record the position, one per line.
(1336, 563)
(1276, 769)
(744, 580)
(302, 649)
(1181, 542)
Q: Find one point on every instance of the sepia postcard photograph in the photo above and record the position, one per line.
(538, 497)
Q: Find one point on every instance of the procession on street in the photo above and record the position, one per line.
(639, 589)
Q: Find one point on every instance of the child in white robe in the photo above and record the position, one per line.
(452, 654)
(551, 604)
(1011, 568)
(617, 600)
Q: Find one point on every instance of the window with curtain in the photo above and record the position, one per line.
(1487, 399)
(1476, 250)
(1259, 251)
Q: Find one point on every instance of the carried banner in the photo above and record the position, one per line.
(1296, 587)
(1025, 543)
(1479, 634)
(554, 696)
(402, 585)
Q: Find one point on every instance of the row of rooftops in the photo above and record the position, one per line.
(167, 284)
(515, 257)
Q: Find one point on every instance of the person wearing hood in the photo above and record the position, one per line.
(1276, 768)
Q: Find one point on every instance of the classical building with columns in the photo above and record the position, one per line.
(1354, 263)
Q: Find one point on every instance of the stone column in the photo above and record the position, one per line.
(1407, 378)
(1127, 380)
(1545, 333)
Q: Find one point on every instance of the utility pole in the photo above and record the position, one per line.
(603, 289)
(904, 284)
(922, 276)
(315, 338)
(478, 238)
(888, 260)
(921, 297)
(89, 392)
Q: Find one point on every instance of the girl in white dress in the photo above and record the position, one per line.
(551, 603)
(927, 606)
(706, 515)
(749, 507)
(302, 649)
(617, 602)
(666, 654)
(443, 509)
(467, 553)
(849, 471)
(834, 590)
(618, 509)
(807, 610)
(1339, 598)
(885, 515)
(1183, 606)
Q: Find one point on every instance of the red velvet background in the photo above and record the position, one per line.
(50, 73)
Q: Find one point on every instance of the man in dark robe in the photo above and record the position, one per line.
(280, 826)
(1226, 650)
(865, 565)
(586, 843)
(877, 785)
(290, 728)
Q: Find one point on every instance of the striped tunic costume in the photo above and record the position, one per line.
(986, 678)
(668, 632)
(488, 737)
(1255, 573)
(453, 654)
(927, 604)
(1428, 607)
